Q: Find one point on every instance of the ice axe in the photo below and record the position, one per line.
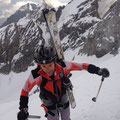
(94, 99)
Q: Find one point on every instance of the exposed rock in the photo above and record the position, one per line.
(107, 32)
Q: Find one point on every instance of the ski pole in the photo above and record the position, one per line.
(34, 116)
(94, 99)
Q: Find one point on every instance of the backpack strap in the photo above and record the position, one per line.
(44, 82)
(45, 94)
(61, 63)
(35, 72)
(66, 82)
(61, 74)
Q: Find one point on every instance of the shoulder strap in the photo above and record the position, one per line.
(61, 62)
(61, 74)
(44, 82)
(35, 72)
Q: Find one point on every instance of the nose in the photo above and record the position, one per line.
(48, 69)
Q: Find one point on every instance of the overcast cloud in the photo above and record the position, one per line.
(5, 2)
(8, 7)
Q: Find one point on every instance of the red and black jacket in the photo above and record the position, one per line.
(38, 75)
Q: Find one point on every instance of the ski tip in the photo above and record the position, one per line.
(73, 105)
(94, 99)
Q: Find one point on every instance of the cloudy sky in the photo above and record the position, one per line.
(7, 7)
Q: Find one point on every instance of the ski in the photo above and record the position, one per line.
(50, 18)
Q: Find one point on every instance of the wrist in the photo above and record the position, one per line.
(93, 69)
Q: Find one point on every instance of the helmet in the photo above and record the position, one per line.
(44, 55)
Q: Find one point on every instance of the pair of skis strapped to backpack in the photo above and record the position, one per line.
(50, 18)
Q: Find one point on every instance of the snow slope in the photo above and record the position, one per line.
(104, 6)
(85, 87)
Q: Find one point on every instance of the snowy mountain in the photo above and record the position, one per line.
(17, 42)
(104, 6)
(107, 32)
(22, 12)
(81, 29)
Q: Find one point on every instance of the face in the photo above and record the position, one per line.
(48, 68)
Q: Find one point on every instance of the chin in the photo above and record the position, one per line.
(49, 74)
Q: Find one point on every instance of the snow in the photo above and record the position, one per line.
(17, 56)
(88, 19)
(2, 34)
(112, 39)
(85, 87)
(104, 6)
(26, 7)
(30, 7)
(23, 22)
(68, 12)
(2, 65)
(10, 29)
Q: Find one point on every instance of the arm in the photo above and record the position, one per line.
(71, 66)
(32, 80)
(29, 84)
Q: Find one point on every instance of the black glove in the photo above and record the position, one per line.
(104, 72)
(67, 83)
(23, 114)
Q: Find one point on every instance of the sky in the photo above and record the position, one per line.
(8, 7)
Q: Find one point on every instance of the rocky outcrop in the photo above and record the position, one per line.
(90, 34)
(17, 47)
(77, 28)
(107, 32)
(17, 44)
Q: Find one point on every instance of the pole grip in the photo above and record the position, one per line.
(102, 78)
(34, 116)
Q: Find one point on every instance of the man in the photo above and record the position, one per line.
(51, 77)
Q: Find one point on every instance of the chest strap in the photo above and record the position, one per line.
(59, 106)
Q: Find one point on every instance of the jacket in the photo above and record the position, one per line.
(36, 76)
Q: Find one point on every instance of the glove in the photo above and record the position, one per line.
(23, 114)
(104, 72)
(67, 83)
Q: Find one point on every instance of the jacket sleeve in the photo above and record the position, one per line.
(33, 79)
(72, 66)
(29, 84)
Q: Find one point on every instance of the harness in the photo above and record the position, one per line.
(45, 94)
